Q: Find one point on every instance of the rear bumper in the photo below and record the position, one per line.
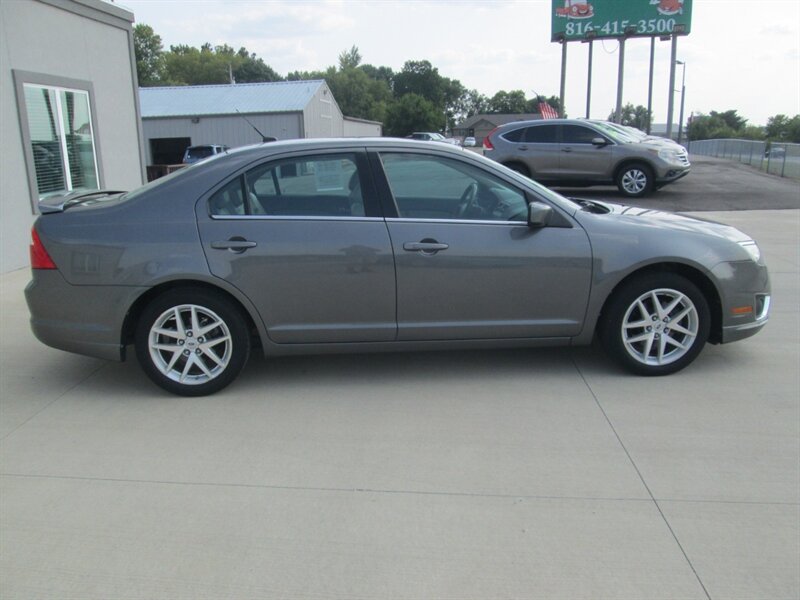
(84, 319)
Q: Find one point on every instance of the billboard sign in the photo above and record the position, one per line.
(599, 19)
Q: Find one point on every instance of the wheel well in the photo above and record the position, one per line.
(634, 161)
(135, 311)
(702, 282)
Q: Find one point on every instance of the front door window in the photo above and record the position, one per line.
(434, 187)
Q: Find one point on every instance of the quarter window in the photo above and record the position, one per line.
(62, 139)
(515, 135)
(433, 187)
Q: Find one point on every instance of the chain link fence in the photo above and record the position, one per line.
(774, 158)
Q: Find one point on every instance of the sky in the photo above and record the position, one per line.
(740, 54)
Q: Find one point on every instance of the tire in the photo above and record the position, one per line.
(635, 180)
(199, 355)
(656, 324)
(519, 168)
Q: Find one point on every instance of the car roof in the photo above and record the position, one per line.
(283, 146)
(544, 122)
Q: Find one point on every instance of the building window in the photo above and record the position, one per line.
(62, 138)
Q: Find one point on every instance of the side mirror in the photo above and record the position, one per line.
(538, 214)
(599, 142)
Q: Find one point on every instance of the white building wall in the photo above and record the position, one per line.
(323, 118)
(85, 40)
(361, 128)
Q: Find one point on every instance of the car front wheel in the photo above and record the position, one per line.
(635, 180)
(656, 324)
(192, 342)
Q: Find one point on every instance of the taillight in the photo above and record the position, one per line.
(40, 259)
(487, 142)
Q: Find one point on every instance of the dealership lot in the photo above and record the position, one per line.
(486, 474)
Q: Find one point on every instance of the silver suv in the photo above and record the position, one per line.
(572, 152)
(196, 153)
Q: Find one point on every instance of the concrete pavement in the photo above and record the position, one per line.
(490, 474)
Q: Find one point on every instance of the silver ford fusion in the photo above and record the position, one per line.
(365, 245)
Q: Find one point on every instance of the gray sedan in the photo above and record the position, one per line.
(318, 246)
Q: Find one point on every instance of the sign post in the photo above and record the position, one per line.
(587, 20)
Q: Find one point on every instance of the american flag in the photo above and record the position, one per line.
(548, 112)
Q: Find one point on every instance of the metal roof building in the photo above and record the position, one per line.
(174, 118)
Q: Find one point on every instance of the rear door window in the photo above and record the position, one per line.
(327, 185)
(542, 134)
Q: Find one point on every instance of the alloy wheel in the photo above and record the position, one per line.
(190, 344)
(660, 327)
(634, 181)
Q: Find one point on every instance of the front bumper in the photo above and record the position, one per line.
(672, 174)
(740, 331)
(746, 299)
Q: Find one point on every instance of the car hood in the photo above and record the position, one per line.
(644, 217)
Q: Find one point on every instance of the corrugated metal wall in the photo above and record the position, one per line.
(232, 131)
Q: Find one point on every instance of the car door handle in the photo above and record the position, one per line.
(566, 149)
(523, 147)
(424, 247)
(235, 244)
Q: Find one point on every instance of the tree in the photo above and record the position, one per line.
(149, 54)
(412, 113)
(474, 103)
(708, 127)
(508, 102)
(187, 65)
(781, 128)
(730, 118)
(455, 106)
(349, 59)
(385, 74)
(633, 116)
(252, 69)
(358, 95)
(420, 77)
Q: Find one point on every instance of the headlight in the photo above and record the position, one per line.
(752, 249)
(669, 155)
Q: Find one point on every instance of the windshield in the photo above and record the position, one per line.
(615, 134)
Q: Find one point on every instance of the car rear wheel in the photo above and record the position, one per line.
(192, 341)
(656, 324)
(635, 180)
